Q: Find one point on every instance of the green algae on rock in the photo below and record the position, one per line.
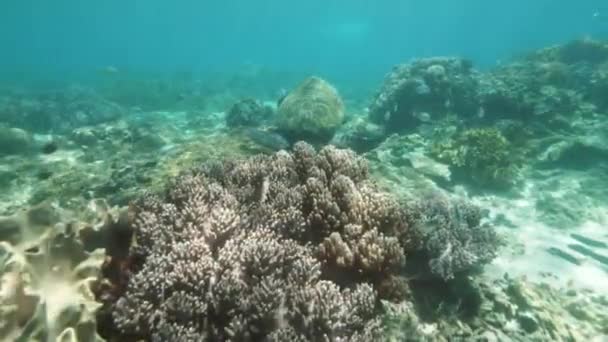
(313, 111)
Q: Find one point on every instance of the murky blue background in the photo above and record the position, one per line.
(329, 37)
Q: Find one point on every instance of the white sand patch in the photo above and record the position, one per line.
(529, 242)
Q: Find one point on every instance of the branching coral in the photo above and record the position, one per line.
(295, 246)
(320, 198)
(449, 235)
(292, 246)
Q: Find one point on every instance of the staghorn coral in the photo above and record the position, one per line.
(313, 111)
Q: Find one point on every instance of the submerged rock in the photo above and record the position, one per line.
(15, 141)
(248, 112)
(359, 134)
(50, 147)
(313, 111)
(424, 90)
(269, 140)
(576, 153)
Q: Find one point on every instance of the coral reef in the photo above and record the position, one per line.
(209, 257)
(57, 111)
(305, 244)
(542, 94)
(546, 89)
(313, 111)
(47, 273)
(481, 155)
(549, 88)
(449, 234)
(426, 89)
(227, 236)
(248, 112)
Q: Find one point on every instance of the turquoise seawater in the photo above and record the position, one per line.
(393, 170)
(352, 39)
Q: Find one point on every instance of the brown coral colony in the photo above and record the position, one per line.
(297, 246)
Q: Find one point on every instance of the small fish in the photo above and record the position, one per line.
(270, 140)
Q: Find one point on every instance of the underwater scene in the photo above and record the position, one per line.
(281, 171)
